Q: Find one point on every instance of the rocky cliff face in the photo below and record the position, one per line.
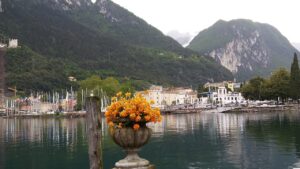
(245, 48)
(105, 8)
(69, 4)
(65, 5)
(243, 53)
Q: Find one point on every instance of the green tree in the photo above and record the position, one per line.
(127, 86)
(110, 86)
(295, 79)
(254, 89)
(91, 83)
(30, 71)
(279, 84)
(200, 90)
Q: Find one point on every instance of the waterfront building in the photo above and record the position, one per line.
(179, 96)
(212, 86)
(228, 97)
(164, 97)
(154, 94)
(229, 84)
(221, 96)
(233, 86)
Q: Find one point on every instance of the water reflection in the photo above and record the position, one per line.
(238, 146)
(204, 140)
(37, 130)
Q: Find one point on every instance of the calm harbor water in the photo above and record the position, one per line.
(192, 141)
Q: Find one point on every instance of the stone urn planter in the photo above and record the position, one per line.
(131, 141)
(127, 117)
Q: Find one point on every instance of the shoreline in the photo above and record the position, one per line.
(258, 109)
(228, 110)
(78, 114)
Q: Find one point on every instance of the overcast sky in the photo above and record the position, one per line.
(192, 16)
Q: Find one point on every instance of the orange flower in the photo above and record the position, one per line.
(136, 126)
(107, 114)
(132, 116)
(123, 114)
(138, 118)
(125, 108)
(147, 118)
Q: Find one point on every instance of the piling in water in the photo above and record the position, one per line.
(93, 121)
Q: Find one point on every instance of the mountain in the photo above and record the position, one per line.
(98, 38)
(297, 46)
(182, 38)
(244, 47)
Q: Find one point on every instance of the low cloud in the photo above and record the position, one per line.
(183, 38)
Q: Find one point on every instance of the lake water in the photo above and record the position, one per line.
(191, 141)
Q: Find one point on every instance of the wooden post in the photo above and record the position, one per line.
(93, 122)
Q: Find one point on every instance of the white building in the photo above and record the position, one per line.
(164, 97)
(231, 85)
(225, 97)
(13, 43)
(178, 96)
(169, 98)
(154, 94)
(222, 97)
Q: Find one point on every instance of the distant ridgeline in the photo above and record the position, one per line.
(245, 48)
(79, 38)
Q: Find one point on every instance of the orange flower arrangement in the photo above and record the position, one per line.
(128, 111)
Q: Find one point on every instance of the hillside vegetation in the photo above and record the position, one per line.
(102, 39)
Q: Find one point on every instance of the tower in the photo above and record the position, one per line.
(12, 43)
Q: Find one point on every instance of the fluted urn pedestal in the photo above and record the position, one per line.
(131, 141)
